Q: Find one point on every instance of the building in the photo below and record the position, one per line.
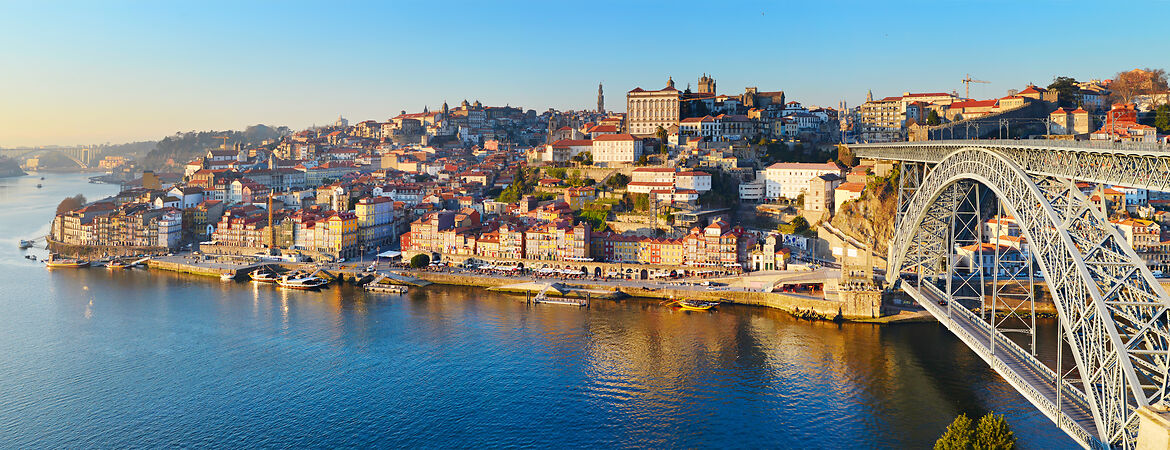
(375, 219)
(818, 199)
(1121, 126)
(846, 192)
(789, 180)
(646, 111)
(616, 149)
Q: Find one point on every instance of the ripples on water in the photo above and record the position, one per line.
(90, 358)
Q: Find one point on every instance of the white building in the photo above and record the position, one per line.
(616, 148)
(648, 110)
(789, 180)
(695, 180)
(753, 191)
(653, 174)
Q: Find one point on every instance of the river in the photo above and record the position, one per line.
(136, 358)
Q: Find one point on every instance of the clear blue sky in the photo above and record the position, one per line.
(91, 72)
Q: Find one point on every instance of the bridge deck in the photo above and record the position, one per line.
(1024, 372)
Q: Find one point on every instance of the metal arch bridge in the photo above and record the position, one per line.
(83, 156)
(1114, 316)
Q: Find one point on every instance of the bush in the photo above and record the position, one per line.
(419, 261)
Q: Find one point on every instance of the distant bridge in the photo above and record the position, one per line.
(1113, 314)
(83, 156)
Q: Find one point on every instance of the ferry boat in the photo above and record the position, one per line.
(67, 263)
(301, 281)
(264, 276)
(696, 305)
(26, 244)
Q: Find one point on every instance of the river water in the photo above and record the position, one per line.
(94, 358)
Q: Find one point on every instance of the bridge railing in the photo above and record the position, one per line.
(1031, 143)
(1041, 401)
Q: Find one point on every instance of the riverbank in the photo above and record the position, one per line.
(858, 305)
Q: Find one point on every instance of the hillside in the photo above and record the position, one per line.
(870, 219)
(176, 150)
(10, 168)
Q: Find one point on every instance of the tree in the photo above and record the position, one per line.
(958, 435)
(617, 180)
(799, 225)
(933, 119)
(71, 204)
(1067, 90)
(846, 156)
(420, 260)
(643, 160)
(1127, 85)
(993, 433)
(660, 133)
(1162, 118)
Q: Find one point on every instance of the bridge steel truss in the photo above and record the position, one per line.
(1113, 313)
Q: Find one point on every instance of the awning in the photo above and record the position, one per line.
(390, 254)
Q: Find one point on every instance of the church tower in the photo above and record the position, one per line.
(600, 99)
(706, 85)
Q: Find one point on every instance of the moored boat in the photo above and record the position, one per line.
(116, 264)
(301, 280)
(227, 276)
(264, 276)
(696, 305)
(65, 263)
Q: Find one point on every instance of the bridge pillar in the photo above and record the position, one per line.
(1154, 427)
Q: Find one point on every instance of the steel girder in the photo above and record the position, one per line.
(1144, 166)
(1114, 312)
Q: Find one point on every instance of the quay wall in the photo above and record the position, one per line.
(102, 251)
(856, 305)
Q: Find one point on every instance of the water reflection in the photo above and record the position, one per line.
(147, 358)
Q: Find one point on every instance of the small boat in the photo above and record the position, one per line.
(38, 185)
(387, 288)
(42, 178)
(116, 264)
(26, 244)
(299, 280)
(264, 276)
(66, 263)
(696, 305)
(227, 276)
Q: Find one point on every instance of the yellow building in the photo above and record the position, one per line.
(341, 235)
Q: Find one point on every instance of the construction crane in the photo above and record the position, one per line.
(225, 139)
(967, 84)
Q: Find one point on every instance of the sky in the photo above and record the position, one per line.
(80, 73)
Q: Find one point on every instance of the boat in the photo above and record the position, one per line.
(264, 276)
(66, 263)
(38, 185)
(299, 280)
(227, 276)
(26, 244)
(387, 288)
(116, 264)
(696, 305)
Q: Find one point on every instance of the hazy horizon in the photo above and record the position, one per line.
(86, 74)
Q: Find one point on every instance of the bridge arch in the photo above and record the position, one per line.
(1114, 313)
